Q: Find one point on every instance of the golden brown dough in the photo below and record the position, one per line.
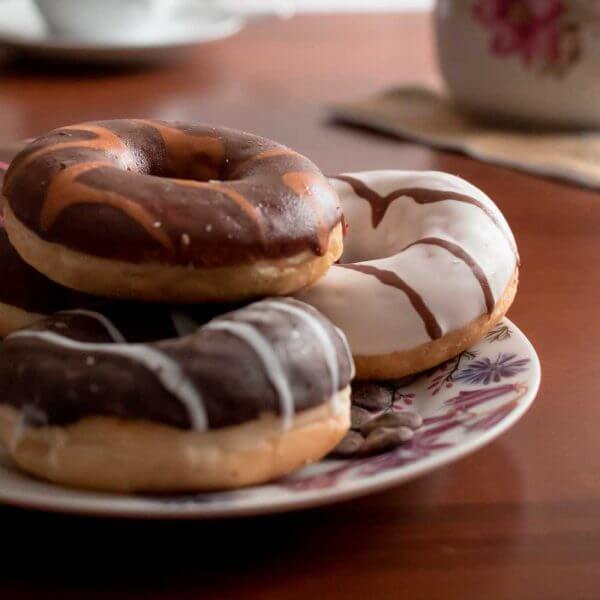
(105, 453)
(170, 283)
(421, 358)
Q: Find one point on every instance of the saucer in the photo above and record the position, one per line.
(23, 32)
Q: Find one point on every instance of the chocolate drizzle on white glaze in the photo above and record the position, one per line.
(463, 255)
(393, 280)
(260, 359)
(426, 254)
(380, 202)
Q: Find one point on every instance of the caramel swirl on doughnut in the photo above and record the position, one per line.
(133, 189)
(65, 191)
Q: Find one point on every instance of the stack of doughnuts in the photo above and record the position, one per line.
(181, 310)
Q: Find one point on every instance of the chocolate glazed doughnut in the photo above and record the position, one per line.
(87, 401)
(171, 212)
(26, 295)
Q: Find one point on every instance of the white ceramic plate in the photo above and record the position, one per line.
(466, 403)
(22, 31)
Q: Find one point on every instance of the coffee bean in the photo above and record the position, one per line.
(371, 396)
(404, 418)
(403, 381)
(358, 417)
(349, 446)
(385, 438)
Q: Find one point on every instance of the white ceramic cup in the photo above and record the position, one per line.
(524, 61)
(104, 20)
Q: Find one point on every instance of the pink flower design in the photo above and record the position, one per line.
(536, 30)
(488, 420)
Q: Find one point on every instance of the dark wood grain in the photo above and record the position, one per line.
(519, 519)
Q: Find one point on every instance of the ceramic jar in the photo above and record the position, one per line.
(529, 61)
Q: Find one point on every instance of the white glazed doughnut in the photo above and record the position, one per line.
(429, 266)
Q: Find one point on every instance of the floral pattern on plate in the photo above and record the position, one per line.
(465, 403)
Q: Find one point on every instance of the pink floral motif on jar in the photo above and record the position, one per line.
(539, 31)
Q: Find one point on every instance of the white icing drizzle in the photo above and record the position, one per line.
(18, 432)
(115, 335)
(166, 370)
(348, 352)
(272, 365)
(379, 318)
(320, 333)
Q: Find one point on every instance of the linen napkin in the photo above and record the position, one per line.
(428, 117)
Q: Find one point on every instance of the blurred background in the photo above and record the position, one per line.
(477, 76)
(243, 63)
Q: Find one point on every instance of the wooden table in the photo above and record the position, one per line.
(518, 519)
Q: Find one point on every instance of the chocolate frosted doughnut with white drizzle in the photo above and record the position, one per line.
(88, 401)
(429, 267)
(171, 212)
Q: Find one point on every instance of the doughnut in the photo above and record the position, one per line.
(171, 212)
(429, 267)
(26, 295)
(88, 400)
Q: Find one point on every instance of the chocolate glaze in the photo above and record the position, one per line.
(23, 287)
(44, 376)
(183, 194)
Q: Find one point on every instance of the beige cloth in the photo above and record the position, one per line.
(430, 118)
